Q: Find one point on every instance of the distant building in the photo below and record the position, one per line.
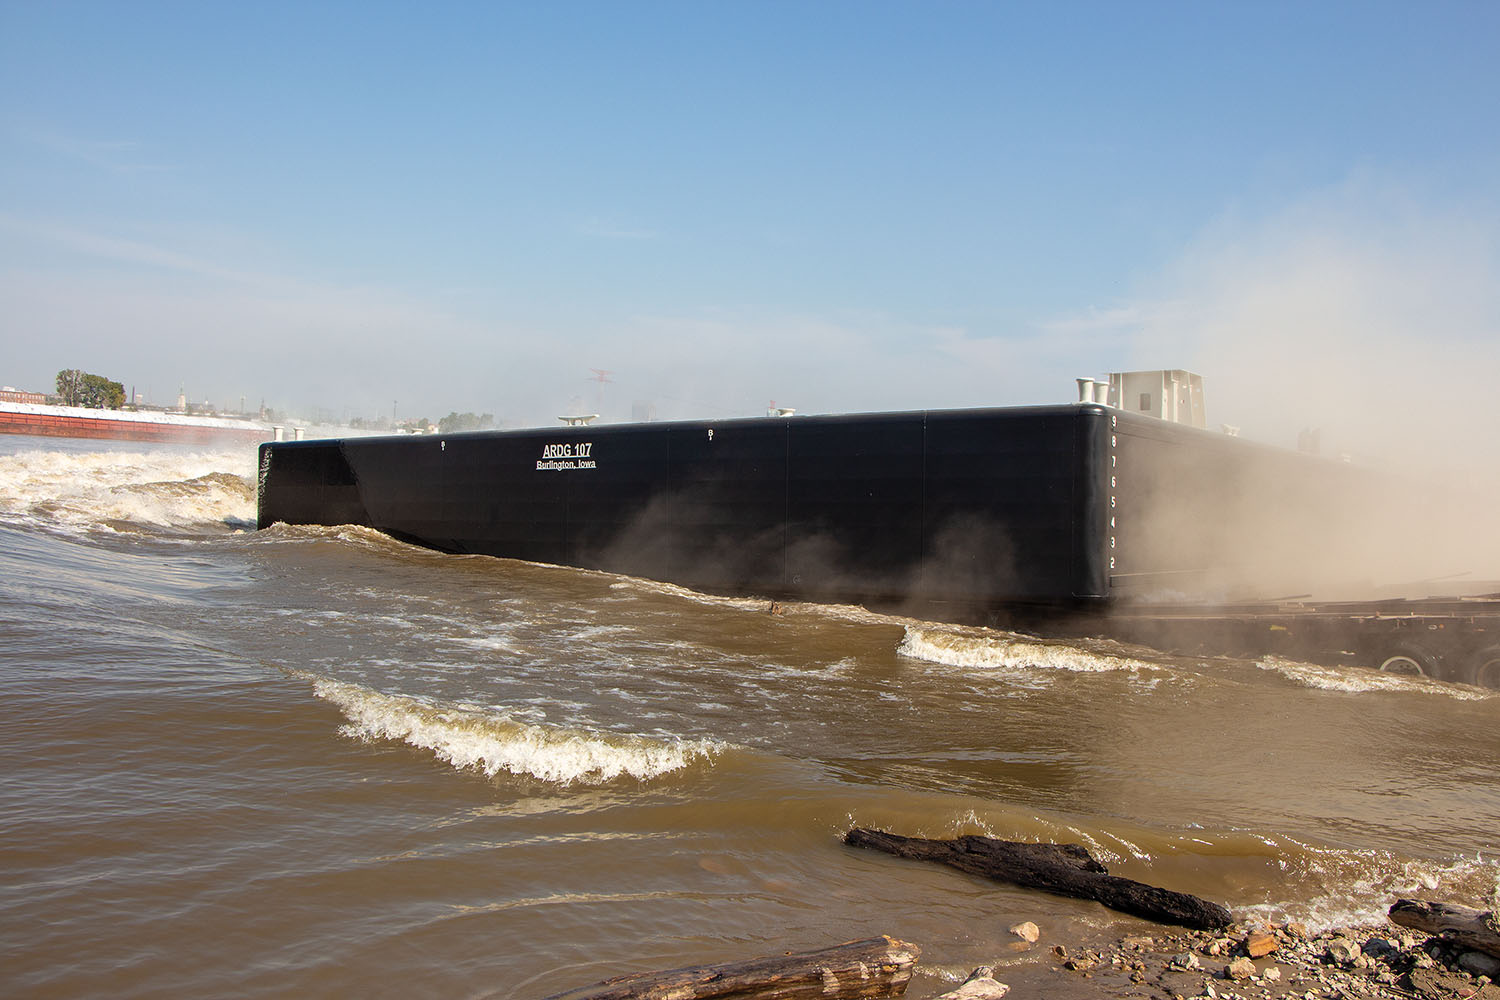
(10, 395)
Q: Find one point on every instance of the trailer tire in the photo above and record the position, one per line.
(1412, 661)
(1487, 668)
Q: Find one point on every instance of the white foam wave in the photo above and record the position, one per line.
(112, 490)
(492, 644)
(354, 535)
(1361, 679)
(1367, 883)
(1009, 652)
(1321, 885)
(491, 740)
(590, 632)
(641, 584)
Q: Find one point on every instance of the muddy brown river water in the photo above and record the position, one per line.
(318, 761)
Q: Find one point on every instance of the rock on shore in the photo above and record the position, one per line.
(1260, 961)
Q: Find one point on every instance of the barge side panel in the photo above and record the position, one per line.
(970, 507)
(854, 505)
(1000, 505)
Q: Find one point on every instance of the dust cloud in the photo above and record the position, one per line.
(1365, 325)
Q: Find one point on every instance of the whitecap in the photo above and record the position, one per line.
(493, 740)
(1009, 652)
(115, 490)
(1358, 680)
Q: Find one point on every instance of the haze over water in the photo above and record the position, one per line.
(318, 761)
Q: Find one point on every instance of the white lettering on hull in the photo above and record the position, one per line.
(567, 456)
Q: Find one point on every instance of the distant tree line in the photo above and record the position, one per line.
(466, 422)
(419, 425)
(78, 388)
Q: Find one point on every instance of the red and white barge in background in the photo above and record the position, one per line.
(42, 420)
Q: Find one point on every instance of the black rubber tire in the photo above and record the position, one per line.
(1410, 660)
(1486, 664)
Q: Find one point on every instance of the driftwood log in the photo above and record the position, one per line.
(1478, 930)
(1061, 869)
(879, 967)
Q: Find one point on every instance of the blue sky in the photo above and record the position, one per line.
(838, 206)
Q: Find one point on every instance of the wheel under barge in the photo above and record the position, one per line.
(1068, 519)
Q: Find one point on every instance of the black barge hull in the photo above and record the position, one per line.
(977, 507)
(1064, 519)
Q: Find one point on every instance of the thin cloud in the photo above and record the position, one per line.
(154, 315)
(121, 156)
(1130, 316)
(126, 251)
(1038, 362)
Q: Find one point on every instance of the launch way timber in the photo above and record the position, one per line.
(1056, 519)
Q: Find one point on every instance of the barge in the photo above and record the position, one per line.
(1064, 519)
(43, 420)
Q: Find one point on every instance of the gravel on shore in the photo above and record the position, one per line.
(1260, 961)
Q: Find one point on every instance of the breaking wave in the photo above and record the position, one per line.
(490, 740)
(1358, 887)
(1009, 652)
(117, 490)
(644, 585)
(1361, 679)
(356, 535)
